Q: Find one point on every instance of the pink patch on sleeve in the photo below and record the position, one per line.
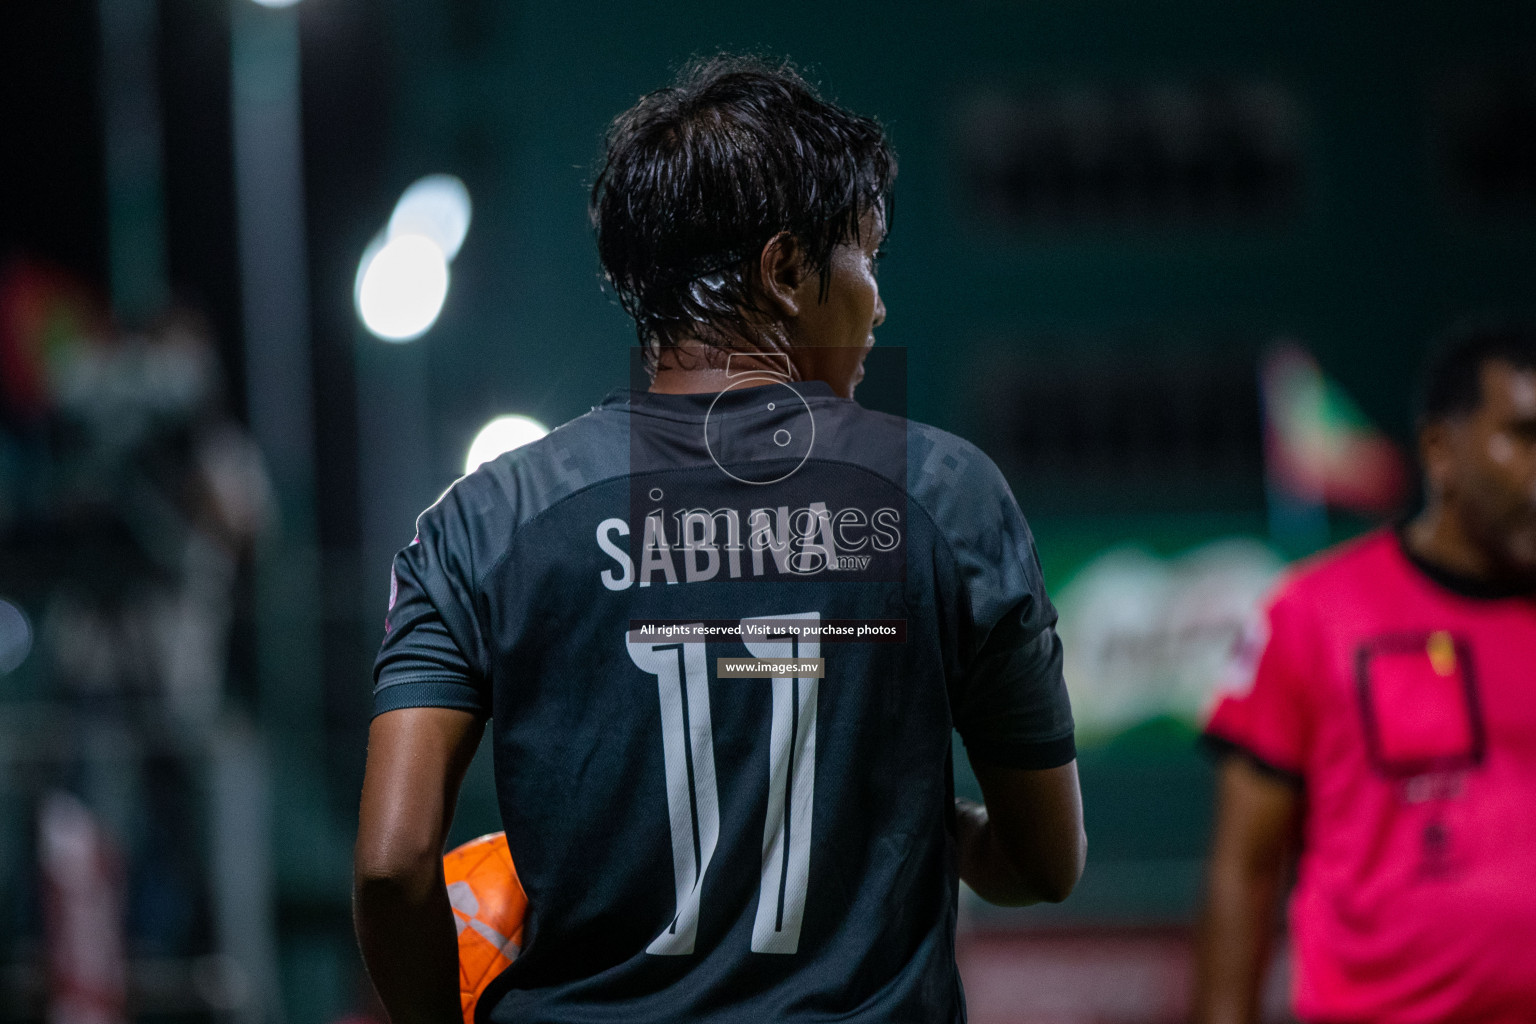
(394, 594)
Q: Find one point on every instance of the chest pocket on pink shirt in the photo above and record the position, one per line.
(1419, 704)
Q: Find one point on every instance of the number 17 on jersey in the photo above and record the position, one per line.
(693, 805)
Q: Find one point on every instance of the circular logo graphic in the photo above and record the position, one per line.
(756, 440)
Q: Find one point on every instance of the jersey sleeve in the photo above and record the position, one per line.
(1010, 704)
(1262, 710)
(433, 654)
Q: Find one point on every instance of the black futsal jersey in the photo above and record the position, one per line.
(722, 642)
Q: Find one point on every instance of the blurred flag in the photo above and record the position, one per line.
(1319, 449)
(44, 315)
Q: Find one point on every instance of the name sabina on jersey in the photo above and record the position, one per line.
(696, 545)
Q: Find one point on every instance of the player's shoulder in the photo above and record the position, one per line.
(1336, 574)
(929, 462)
(964, 495)
(495, 498)
(927, 442)
(952, 478)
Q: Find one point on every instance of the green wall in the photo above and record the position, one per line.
(1373, 261)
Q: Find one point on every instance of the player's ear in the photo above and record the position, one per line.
(1437, 455)
(781, 272)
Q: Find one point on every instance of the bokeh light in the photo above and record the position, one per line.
(502, 434)
(401, 285)
(436, 206)
(15, 637)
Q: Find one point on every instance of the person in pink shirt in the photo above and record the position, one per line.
(1379, 726)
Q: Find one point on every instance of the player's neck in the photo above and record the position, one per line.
(698, 381)
(1438, 537)
(695, 367)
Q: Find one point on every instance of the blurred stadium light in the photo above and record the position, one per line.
(401, 284)
(436, 206)
(15, 636)
(402, 279)
(502, 434)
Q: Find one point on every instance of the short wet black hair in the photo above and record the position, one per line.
(697, 178)
(1452, 381)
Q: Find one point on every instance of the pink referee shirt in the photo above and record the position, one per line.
(1404, 704)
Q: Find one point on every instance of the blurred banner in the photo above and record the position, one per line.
(1147, 637)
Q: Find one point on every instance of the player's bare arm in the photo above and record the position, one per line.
(1257, 814)
(416, 762)
(1026, 844)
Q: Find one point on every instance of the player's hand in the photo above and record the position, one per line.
(1027, 844)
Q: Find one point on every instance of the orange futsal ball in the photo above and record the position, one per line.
(488, 907)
